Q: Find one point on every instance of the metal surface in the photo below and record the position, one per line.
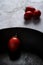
(25, 59)
(32, 42)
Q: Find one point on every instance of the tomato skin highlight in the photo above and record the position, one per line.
(28, 15)
(37, 13)
(29, 9)
(13, 44)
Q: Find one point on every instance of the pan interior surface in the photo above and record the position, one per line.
(32, 43)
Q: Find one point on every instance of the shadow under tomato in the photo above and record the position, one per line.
(26, 22)
(36, 21)
(15, 56)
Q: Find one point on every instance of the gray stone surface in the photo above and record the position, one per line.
(12, 13)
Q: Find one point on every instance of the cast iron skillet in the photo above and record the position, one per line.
(31, 40)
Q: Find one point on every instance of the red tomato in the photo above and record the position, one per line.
(28, 15)
(13, 43)
(37, 13)
(29, 9)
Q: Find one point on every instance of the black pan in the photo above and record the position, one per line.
(31, 40)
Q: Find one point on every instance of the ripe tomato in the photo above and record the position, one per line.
(13, 43)
(29, 9)
(37, 13)
(28, 15)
